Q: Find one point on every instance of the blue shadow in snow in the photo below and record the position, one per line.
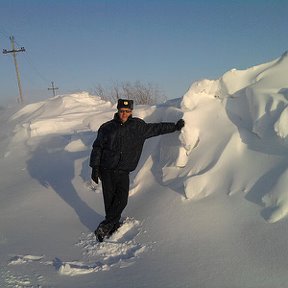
(53, 167)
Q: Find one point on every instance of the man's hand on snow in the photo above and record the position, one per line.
(180, 124)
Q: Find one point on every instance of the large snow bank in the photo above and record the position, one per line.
(241, 122)
(231, 155)
(62, 114)
(232, 124)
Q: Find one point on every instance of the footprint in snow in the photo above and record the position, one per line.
(120, 250)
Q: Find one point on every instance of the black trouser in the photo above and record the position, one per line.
(115, 186)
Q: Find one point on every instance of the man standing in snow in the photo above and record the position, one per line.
(116, 152)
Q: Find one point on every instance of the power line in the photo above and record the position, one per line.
(29, 60)
(36, 70)
(32, 65)
(4, 32)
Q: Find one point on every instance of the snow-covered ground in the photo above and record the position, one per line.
(208, 206)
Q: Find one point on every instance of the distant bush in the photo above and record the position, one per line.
(141, 93)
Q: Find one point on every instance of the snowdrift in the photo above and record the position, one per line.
(242, 122)
(235, 138)
(228, 167)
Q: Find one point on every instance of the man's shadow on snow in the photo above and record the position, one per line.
(53, 167)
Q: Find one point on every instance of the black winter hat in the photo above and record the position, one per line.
(124, 103)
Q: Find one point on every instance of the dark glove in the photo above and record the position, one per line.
(95, 174)
(180, 124)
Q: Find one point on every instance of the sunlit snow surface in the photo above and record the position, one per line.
(201, 200)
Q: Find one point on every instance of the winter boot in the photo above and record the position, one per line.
(103, 230)
(115, 228)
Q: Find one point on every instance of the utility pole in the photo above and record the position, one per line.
(53, 88)
(14, 51)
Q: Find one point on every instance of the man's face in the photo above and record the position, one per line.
(124, 113)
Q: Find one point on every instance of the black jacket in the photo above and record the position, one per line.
(119, 145)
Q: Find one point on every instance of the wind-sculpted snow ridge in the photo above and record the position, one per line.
(64, 114)
(232, 125)
(263, 94)
(262, 127)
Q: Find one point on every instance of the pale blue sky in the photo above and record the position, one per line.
(78, 44)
